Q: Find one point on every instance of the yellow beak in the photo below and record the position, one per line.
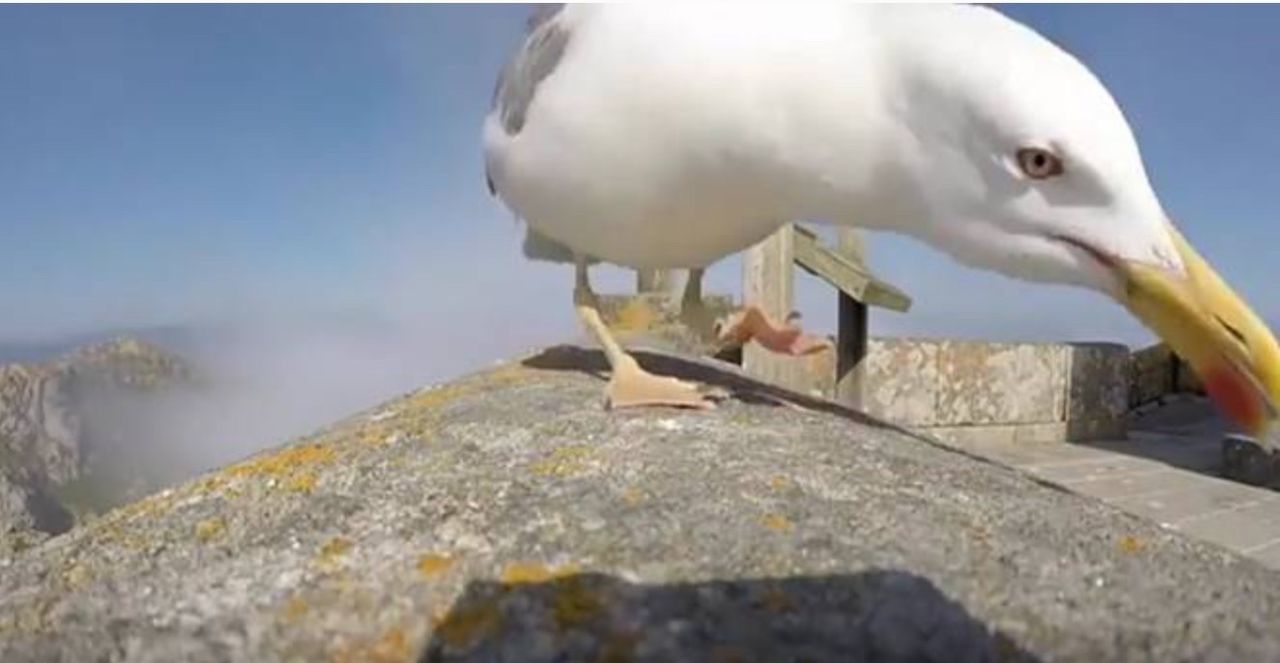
(1207, 324)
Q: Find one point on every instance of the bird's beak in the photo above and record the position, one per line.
(1207, 324)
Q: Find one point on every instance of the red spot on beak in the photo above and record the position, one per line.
(1236, 397)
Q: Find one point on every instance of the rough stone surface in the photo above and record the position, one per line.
(1000, 383)
(901, 381)
(1247, 461)
(27, 514)
(1155, 373)
(1097, 391)
(507, 516)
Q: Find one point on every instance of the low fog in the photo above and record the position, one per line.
(270, 367)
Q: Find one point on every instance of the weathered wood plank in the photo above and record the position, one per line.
(848, 275)
(768, 281)
(654, 280)
(851, 336)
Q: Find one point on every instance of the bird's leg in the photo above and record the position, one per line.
(693, 312)
(630, 385)
(751, 322)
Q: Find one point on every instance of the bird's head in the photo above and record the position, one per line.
(1026, 165)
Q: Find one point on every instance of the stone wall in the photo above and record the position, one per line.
(1012, 391)
(1155, 372)
(958, 390)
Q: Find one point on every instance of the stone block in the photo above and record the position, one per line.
(901, 381)
(997, 383)
(1246, 461)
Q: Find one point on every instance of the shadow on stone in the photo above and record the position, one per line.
(869, 616)
(707, 371)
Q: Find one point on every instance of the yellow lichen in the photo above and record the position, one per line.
(211, 483)
(563, 462)
(776, 522)
(285, 462)
(76, 576)
(779, 482)
(210, 529)
(574, 604)
(431, 566)
(467, 624)
(518, 573)
(332, 551)
(636, 315)
(1131, 544)
(302, 482)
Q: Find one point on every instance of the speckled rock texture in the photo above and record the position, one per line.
(508, 517)
(1251, 461)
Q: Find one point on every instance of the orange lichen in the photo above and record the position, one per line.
(633, 496)
(437, 396)
(210, 529)
(432, 566)
(391, 647)
(285, 462)
(467, 624)
(776, 522)
(294, 609)
(563, 462)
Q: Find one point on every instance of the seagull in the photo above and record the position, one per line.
(669, 135)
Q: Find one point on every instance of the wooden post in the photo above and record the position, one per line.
(654, 280)
(767, 280)
(851, 335)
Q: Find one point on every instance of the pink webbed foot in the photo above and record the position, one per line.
(786, 338)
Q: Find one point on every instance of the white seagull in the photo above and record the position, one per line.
(669, 135)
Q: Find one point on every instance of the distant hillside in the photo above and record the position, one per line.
(55, 432)
(174, 337)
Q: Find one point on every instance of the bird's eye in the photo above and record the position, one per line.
(1039, 164)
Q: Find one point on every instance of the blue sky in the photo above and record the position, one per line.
(169, 164)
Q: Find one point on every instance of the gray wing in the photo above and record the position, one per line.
(545, 40)
(544, 46)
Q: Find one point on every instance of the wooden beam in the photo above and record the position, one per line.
(851, 335)
(845, 273)
(767, 281)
